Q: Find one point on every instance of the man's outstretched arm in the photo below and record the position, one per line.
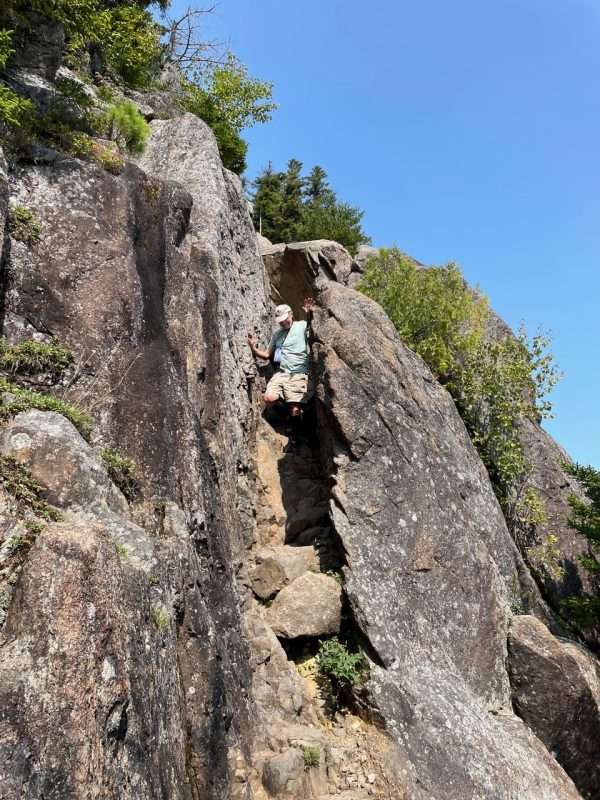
(266, 354)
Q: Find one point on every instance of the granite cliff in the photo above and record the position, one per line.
(162, 645)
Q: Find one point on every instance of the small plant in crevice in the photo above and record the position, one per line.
(26, 399)
(339, 672)
(84, 147)
(127, 126)
(23, 226)
(338, 663)
(18, 481)
(160, 618)
(122, 471)
(311, 755)
(122, 550)
(30, 356)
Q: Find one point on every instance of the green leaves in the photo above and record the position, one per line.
(434, 311)
(14, 110)
(229, 100)
(336, 661)
(127, 126)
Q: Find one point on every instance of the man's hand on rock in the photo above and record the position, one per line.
(309, 304)
(251, 340)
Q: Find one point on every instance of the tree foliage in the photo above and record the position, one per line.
(291, 207)
(229, 100)
(585, 519)
(496, 382)
(434, 311)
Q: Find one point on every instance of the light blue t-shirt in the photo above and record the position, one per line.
(295, 355)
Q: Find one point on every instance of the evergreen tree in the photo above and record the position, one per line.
(290, 208)
(292, 201)
(268, 203)
(585, 610)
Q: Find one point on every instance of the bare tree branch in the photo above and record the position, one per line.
(184, 45)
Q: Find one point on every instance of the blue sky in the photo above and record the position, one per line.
(466, 131)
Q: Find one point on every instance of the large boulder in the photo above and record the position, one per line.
(276, 567)
(430, 564)
(556, 690)
(309, 606)
(59, 459)
(88, 670)
(294, 267)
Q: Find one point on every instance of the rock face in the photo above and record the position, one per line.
(556, 690)
(293, 268)
(152, 288)
(135, 659)
(430, 562)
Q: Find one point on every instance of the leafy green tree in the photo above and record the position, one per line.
(585, 519)
(434, 311)
(229, 100)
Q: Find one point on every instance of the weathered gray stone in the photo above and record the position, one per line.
(283, 772)
(62, 461)
(279, 566)
(309, 606)
(153, 290)
(556, 690)
(430, 561)
(293, 269)
(38, 46)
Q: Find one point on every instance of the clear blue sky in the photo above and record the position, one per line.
(466, 131)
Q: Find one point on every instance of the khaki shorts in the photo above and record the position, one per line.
(288, 387)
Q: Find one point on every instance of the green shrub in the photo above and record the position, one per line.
(26, 399)
(311, 755)
(122, 472)
(129, 40)
(124, 34)
(23, 225)
(127, 126)
(337, 662)
(84, 147)
(122, 550)
(433, 310)
(29, 356)
(499, 384)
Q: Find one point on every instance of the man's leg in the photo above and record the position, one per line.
(274, 390)
(295, 392)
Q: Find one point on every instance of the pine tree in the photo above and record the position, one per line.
(295, 208)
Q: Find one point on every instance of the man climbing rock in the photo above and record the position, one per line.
(290, 353)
